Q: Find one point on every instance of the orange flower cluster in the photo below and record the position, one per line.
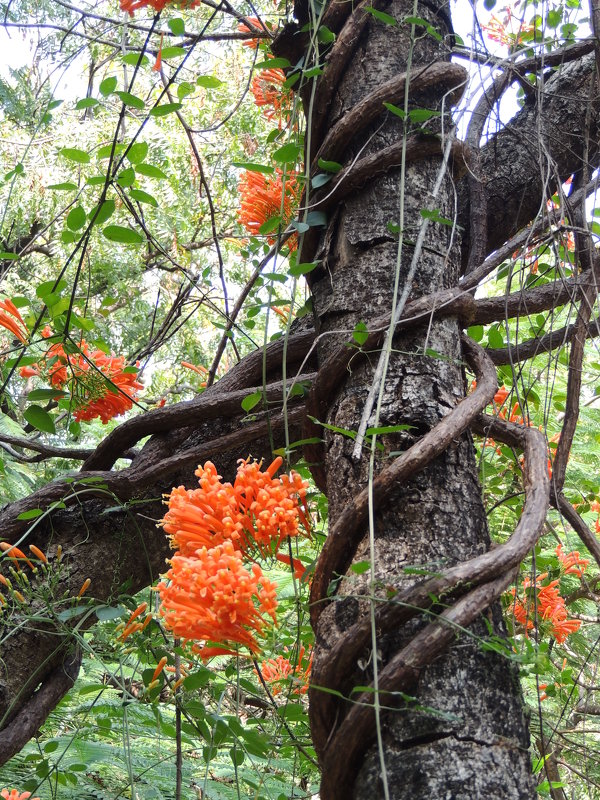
(209, 595)
(510, 31)
(12, 320)
(276, 671)
(265, 197)
(133, 624)
(156, 5)
(549, 607)
(212, 597)
(571, 563)
(14, 794)
(270, 96)
(258, 510)
(258, 25)
(99, 385)
(518, 419)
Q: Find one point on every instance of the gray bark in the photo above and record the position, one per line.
(464, 733)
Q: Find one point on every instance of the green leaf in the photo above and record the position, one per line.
(381, 16)
(133, 59)
(303, 269)
(86, 102)
(45, 394)
(5, 256)
(33, 513)
(360, 334)
(270, 226)
(106, 150)
(137, 152)
(173, 52)
(197, 679)
(316, 218)
(288, 154)
(251, 400)
(48, 287)
(313, 72)
(40, 419)
(495, 338)
(108, 86)
(475, 332)
(75, 154)
(250, 166)
(167, 108)
(104, 613)
(301, 227)
(273, 63)
(435, 216)
(329, 166)
(184, 89)
(208, 82)
(399, 112)
(70, 613)
(150, 171)
(131, 100)
(361, 567)
(63, 187)
(143, 197)
(423, 23)
(177, 26)
(126, 177)
(117, 233)
(383, 429)
(325, 36)
(320, 180)
(422, 114)
(82, 323)
(76, 218)
(106, 211)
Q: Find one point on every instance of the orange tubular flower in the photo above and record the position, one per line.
(258, 26)
(296, 564)
(208, 595)
(157, 5)
(274, 101)
(38, 553)
(258, 509)
(265, 197)
(500, 396)
(213, 598)
(12, 320)
(549, 606)
(159, 668)
(156, 67)
(14, 794)
(571, 563)
(99, 385)
(278, 670)
(14, 553)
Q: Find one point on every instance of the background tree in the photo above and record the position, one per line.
(407, 232)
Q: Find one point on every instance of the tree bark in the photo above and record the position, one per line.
(463, 732)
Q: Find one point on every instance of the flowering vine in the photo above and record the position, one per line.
(268, 197)
(101, 386)
(541, 604)
(209, 596)
(279, 671)
(12, 321)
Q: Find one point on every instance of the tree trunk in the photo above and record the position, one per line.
(462, 732)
